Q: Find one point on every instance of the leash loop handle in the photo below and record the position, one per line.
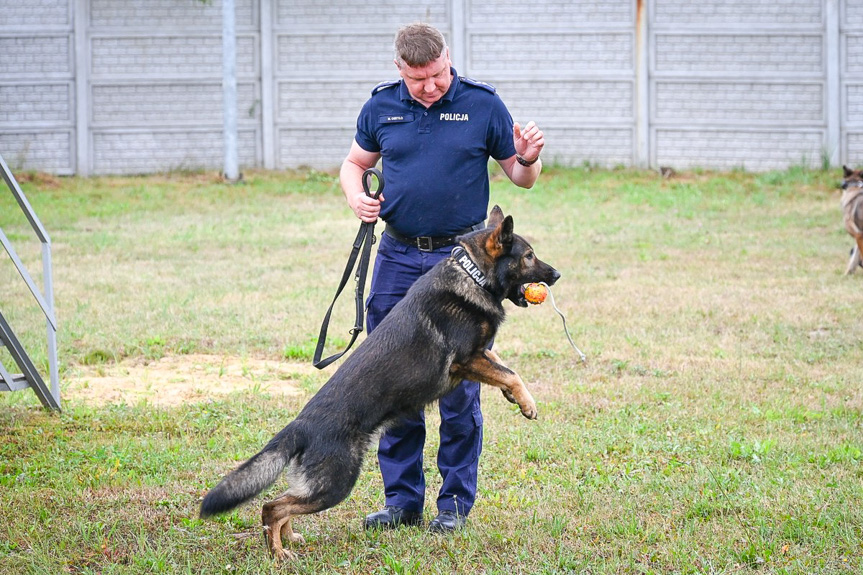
(367, 182)
(360, 256)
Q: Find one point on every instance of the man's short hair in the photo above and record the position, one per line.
(418, 44)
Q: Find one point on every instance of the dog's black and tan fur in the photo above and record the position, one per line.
(852, 214)
(435, 337)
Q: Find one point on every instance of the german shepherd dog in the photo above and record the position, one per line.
(852, 214)
(431, 340)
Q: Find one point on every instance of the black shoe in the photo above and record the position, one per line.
(391, 517)
(447, 522)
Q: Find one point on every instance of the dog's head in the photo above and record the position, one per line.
(851, 178)
(508, 259)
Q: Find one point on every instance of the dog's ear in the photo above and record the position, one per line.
(845, 170)
(499, 243)
(495, 217)
(506, 233)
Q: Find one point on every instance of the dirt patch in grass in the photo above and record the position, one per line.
(174, 380)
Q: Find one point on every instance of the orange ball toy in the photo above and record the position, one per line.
(535, 293)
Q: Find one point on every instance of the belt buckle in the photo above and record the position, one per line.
(424, 243)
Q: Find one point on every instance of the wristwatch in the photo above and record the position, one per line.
(524, 162)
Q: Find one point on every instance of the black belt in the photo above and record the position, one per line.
(430, 243)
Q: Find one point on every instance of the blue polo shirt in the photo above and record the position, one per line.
(435, 160)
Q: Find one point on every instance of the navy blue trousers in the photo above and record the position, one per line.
(400, 452)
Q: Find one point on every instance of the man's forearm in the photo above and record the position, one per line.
(523, 176)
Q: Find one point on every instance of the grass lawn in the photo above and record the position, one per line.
(716, 427)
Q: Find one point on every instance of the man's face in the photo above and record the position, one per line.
(427, 84)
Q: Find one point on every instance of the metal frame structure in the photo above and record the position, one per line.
(49, 396)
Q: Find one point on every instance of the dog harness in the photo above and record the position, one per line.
(462, 258)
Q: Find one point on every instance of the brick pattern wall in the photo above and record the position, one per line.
(155, 90)
(730, 83)
(165, 56)
(732, 101)
(571, 13)
(747, 12)
(851, 48)
(576, 146)
(738, 84)
(357, 14)
(326, 55)
(192, 104)
(36, 14)
(150, 15)
(36, 56)
(584, 51)
(49, 104)
(760, 149)
(318, 147)
(570, 68)
(739, 54)
(136, 152)
(586, 100)
(46, 150)
(37, 96)
(327, 103)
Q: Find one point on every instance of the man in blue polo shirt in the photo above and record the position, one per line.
(435, 132)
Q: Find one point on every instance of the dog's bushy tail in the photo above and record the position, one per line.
(254, 475)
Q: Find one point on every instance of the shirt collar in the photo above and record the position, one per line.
(405, 96)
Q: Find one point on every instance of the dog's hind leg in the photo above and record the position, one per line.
(276, 517)
(488, 368)
(323, 479)
(855, 259)
(859, 259)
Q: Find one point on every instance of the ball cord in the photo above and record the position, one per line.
(562, 317)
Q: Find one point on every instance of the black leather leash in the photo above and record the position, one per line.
(362, 248)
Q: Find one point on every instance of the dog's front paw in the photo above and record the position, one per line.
(529, 410)
(509, 396)
(284, 555)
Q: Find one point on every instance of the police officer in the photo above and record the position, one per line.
(434, 131)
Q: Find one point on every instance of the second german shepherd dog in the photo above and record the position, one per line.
(435, 337)
(852, 214)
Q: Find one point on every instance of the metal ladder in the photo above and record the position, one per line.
(29, 376)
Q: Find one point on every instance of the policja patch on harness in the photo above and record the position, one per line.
(463, 259)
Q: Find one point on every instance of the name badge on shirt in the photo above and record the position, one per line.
(395, 118)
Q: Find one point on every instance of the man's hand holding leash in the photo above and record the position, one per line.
(366, 207)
